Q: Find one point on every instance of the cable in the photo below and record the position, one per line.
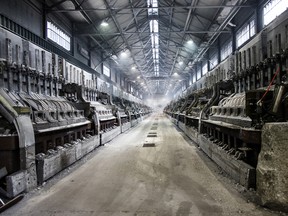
(270, 84)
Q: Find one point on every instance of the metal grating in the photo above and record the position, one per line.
(149, 145)
(152, 135)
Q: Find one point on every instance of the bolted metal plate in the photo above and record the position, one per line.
(149, 145)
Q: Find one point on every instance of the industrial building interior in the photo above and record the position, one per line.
(143, 107)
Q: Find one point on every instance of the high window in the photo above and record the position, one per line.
(273, 9)
(226, 50)
(193, 78)
(58, 36)
(245, 33)
(198, 73)
(213, 61)
(204, 69)
(183, 87)
(106, 71)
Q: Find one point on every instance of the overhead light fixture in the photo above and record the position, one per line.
(123, 54)
(104, 23)
(138, 77)
(190, 41)
(181, 62)
(133, 68)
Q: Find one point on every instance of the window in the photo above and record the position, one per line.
(194, 78)
(183, 86)
(106, 71)
(245, 33)
(213, 61)
(226, 50)
(122, 82)
(198, 73)
(58, 36)
(273, 9)
(204, 69)
(252, 28)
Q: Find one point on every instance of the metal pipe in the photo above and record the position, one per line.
(277, 99)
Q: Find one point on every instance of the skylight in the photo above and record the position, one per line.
(154, 33)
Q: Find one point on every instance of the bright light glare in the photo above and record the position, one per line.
(123, 54)
(190, 46)
(104, 24)
(190, 42)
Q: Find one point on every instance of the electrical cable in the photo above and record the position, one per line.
(270, 84)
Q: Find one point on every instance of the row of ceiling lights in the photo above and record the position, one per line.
(154, 30)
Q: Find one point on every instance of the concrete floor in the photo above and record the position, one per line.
(124, 178)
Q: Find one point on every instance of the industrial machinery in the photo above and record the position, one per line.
(132, 112)
(239, 119)
(52, 113)
(144, 110)
(109, 121)
(121, 111)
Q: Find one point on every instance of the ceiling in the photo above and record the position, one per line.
(154, 42)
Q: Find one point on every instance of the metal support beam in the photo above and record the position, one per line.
(119, 29)
(129, 33)
(56, 4)
(146, 8)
